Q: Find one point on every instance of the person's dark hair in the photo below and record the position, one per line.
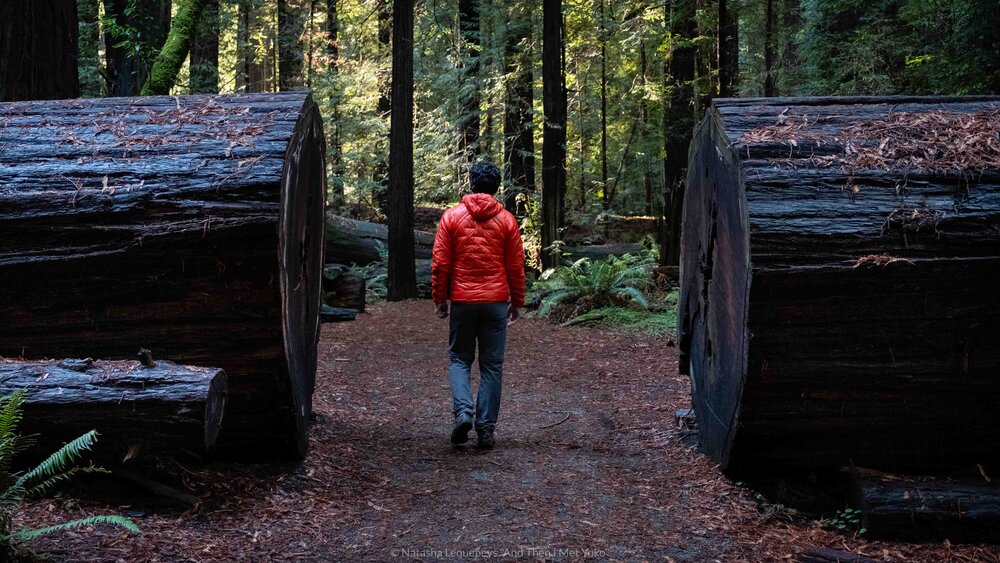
(484, 178)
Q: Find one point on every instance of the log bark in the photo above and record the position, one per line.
(349, 241)
(925, 508)
(190, 225)
(38, 50)
(816, 326)
(166, 408)
(343, 288)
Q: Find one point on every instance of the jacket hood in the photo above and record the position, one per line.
(482, 206)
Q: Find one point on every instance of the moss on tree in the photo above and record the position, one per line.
(168, 63)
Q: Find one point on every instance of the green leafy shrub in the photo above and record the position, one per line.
(58, 468)
(613, 281)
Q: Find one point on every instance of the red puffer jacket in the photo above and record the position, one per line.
(478, 254)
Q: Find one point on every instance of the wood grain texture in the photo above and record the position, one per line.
(191, 226)
(165, 408)
(835, 313)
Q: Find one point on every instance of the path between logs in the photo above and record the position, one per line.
(615, 478)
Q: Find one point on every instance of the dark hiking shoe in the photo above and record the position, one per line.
(460, 435)
(486, 439)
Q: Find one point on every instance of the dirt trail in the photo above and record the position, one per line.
(588, 463)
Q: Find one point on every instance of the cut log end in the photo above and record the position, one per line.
(301, 238)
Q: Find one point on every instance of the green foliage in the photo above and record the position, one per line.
(848, 520)
(616, 280)
(376, 275)
(639, 321)
(900, 46)
(58, 468)
(171, 57)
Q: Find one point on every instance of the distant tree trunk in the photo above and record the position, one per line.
(729, 49)
(564, 105)
(146, 31)
(678, 122)
(554, 132)
(790, 54)
(205, 52)
(38, 50)
(769, 88)
(603, 30)
(582, 119)
(402, 265)
(90, 57)
(254, 51)
(519, 134)
(644, 119)
(468, 17)
(706, 60)
(336, 149)
(291, 24)
(171, 58)
(381, 172)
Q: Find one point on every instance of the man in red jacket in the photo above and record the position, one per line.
(479, 266)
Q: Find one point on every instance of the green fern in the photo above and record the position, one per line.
(58, 468)
(121, 521)
(602, 282)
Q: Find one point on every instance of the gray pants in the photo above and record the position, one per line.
(485, 323)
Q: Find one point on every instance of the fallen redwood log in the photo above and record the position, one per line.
(926, 508)
(837, 282)
(189, 225)
(167, 407)
(349, 241)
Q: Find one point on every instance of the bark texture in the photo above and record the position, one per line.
(38, 50)
(191, 226)
(402, 272)
(914, 508)
(554, 131)
(164, 408)
(835, 312)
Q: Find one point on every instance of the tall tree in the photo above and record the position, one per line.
(291, 25)
(255, 48)
(89, 61)
(469, 122)
(137, 30)
(336, 145)
(729, 48)
(402, 265)
(171, 57)
(769, 71)
(603, 39)
(519, 134)
(381, 172)
(38, 50)
(554, 131)
(204, 64)
(678, 120)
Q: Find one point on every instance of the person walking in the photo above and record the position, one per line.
(478, 265)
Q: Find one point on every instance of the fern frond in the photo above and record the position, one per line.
(550, 301)
(60, 461)
(635, 294)
(45, 486)
(10, 412)
(121, 521)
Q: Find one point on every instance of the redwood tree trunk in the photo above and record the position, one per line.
(468, 16)
(519, 134)
(678, 123)
(201, 242)
(554, 132)
(38, 50)
(729, 49)
(336, 149)
(402, 268)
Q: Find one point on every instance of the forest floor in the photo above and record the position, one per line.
(589, 463)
